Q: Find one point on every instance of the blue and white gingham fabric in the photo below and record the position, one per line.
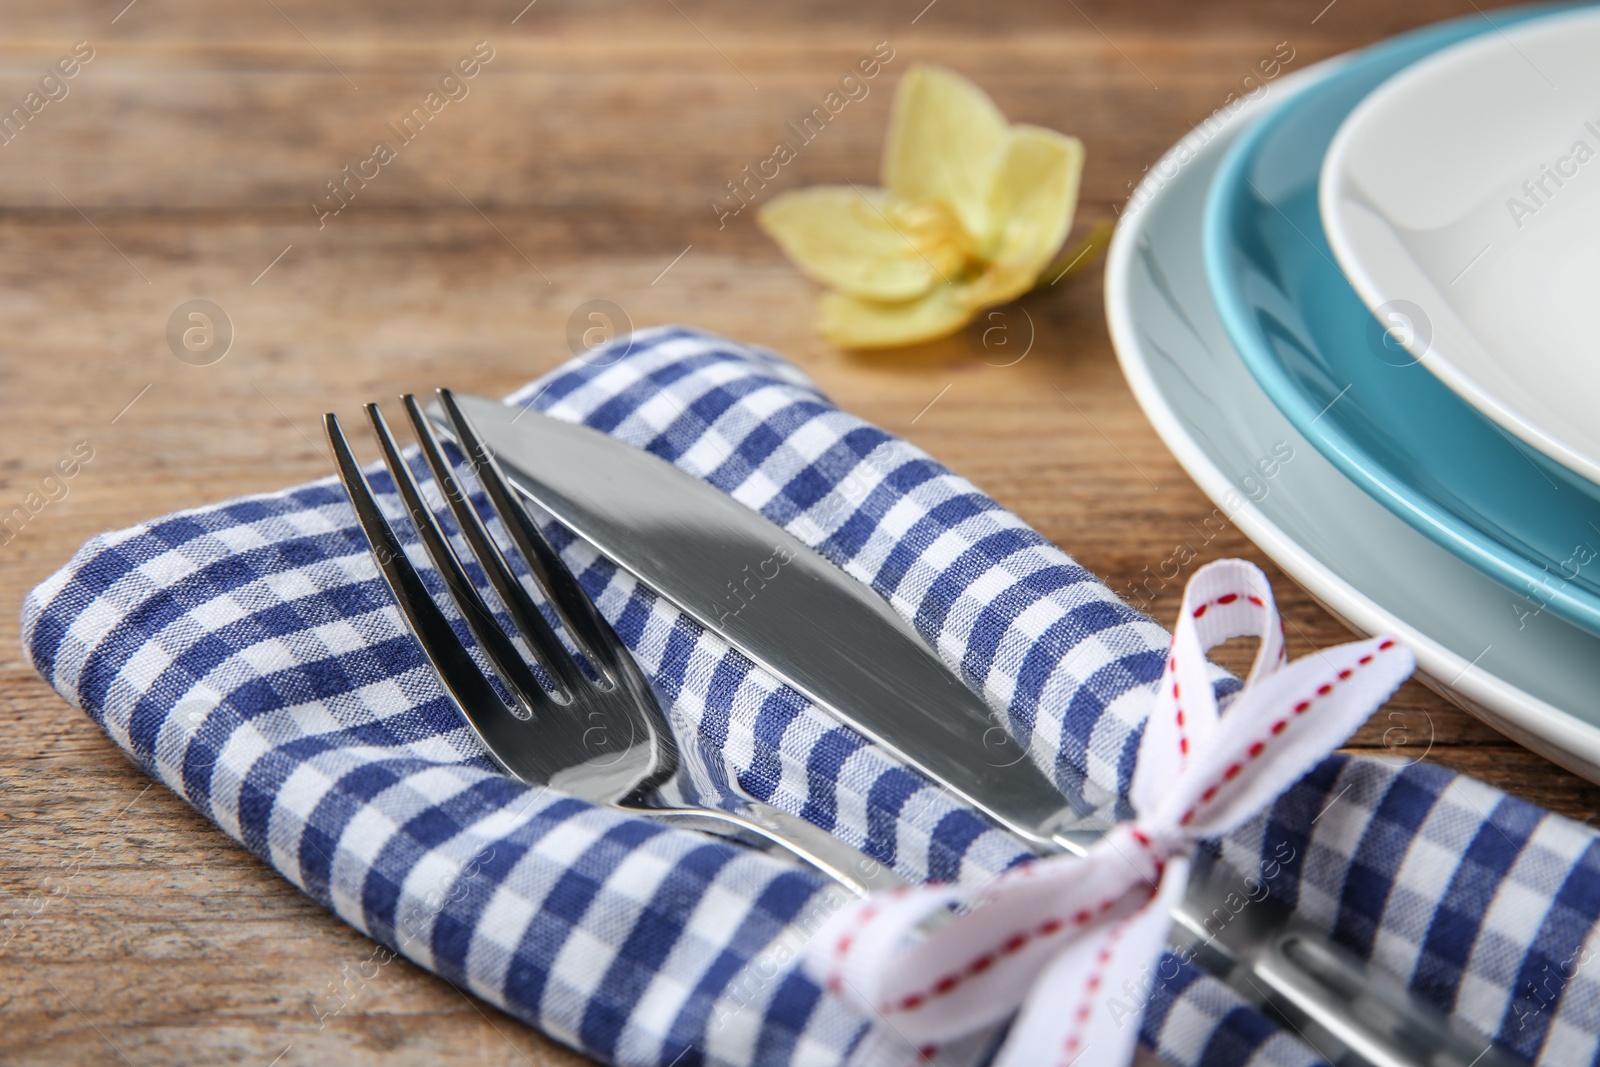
(249, 656)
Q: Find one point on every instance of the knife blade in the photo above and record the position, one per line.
(783, 604)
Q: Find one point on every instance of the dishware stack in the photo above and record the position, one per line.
(1360, 309)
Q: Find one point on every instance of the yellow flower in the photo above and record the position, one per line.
(973, 211)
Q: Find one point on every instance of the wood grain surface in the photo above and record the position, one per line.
(581, 165)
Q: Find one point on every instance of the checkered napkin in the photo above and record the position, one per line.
(248, 655)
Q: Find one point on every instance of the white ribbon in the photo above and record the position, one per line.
(1072, 942)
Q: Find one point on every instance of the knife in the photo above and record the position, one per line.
(842, 646)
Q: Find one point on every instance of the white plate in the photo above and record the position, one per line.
(1462, 200)
(1531, 676)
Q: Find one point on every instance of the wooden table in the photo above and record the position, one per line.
(581, 165)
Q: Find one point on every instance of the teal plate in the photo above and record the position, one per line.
(1349, 386)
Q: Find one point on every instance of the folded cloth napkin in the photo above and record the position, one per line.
(248, 655)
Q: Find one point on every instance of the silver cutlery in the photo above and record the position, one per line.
(605, 739)
(841, 645)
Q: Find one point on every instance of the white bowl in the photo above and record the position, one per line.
(1531, 676)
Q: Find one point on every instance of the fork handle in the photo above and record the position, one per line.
(758, 823)
(1350, 1013)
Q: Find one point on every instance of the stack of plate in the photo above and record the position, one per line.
(1363, 310)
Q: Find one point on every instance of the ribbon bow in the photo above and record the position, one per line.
(1073, 941)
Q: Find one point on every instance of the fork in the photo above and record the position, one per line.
(568, 737)
(606, 739)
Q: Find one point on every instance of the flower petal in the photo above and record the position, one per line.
(1000, 283)
(850, 322)
(842, 237)
(945, 143)
(1033, 197)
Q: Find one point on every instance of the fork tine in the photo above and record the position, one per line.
(480, 705)
(524, 612)
(590, 630)
(519, 678)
